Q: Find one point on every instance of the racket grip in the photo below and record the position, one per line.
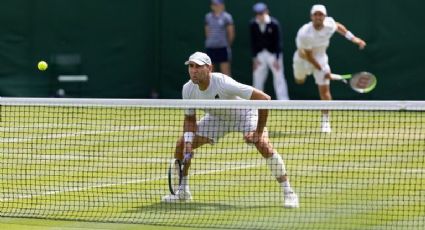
(337, 77)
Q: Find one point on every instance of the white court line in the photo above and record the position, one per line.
(346, 168)
(202, 172)
(107, 185)
(76, 134)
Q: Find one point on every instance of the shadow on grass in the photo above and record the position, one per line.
(193, 206)
(280, 134)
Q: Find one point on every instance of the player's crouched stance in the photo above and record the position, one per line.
(213, 126)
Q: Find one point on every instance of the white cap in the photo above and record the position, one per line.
(199, 58)
(318, 8)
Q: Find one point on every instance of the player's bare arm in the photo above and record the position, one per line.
(308, 55)
(254, 137)
(189, 128)
(341, 29)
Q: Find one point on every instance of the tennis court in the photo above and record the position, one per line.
(109, 165)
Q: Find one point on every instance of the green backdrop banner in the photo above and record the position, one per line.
(136, 48)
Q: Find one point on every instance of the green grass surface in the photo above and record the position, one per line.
(102, 165)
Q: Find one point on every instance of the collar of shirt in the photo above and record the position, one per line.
(262, 25)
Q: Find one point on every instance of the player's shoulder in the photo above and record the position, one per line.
(329, 22)
(227, 15)
(305, 30)
(188, 85)
(219, 77)
(188, 89)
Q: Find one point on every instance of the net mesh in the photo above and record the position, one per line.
(107, 161)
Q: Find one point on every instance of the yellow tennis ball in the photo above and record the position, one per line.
(42, 65)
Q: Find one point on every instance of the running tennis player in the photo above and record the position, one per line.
(310, 58)
(215, 124)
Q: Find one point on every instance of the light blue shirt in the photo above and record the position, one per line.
(217, 25)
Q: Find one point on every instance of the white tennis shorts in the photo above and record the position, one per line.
(215, 127)
(303, 68)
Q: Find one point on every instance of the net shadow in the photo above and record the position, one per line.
(193, 206)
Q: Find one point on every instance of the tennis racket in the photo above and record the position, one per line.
(175, 174)
(362, 82)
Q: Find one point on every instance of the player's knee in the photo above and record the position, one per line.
(299, 78)
(299, 81)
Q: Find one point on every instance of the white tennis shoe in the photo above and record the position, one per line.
(291, 200)
(180, 196)
(326, 127)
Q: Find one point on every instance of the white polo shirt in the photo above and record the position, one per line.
(317, 40)
(220, 87)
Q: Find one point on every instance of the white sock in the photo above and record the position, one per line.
(286, 187)
(325, 117)
(185, 183)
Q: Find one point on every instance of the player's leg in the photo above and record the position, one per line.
(325, 94)
(210, 129)
(260, 71)
(278, 170)
(273, 158)
(323, 85)
(301, 69)
(183, 193)
(279, 82)
(197, 142)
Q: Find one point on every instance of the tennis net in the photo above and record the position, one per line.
(107, 161)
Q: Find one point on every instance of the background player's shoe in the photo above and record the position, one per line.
(326, 127)
(181, 196)
(326, 124)
(291, 200)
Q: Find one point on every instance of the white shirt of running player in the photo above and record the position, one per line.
(220, 87)
(317, 40)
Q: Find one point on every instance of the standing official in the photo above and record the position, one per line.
(267, 51)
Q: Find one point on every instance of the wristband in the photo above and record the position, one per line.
(187, 157)
(349, 36)
(188, 136)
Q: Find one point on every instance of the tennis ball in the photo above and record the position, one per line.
(42, 65)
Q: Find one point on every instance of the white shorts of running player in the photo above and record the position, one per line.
(303, 68)
(215, 127)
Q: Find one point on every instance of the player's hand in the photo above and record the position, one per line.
(327, 74)
(359, 42)
(253, 137)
